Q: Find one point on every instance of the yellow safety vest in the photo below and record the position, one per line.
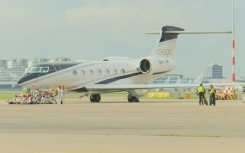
(200, 89)
(211, 90)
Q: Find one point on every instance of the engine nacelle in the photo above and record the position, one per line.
(155, 65)
(145, 66)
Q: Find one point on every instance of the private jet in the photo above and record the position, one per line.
(112, 74)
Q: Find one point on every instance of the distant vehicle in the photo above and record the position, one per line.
(112, 74)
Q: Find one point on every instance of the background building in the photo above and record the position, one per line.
(3, 63)
(215, 71)
(63, 59)
(215, 74)
(40, 60)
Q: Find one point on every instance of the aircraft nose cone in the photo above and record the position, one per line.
(23, 79)
(20, 81)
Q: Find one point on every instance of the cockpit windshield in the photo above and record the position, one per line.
(38, 70)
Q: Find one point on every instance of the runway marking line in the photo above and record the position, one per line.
(190, 136)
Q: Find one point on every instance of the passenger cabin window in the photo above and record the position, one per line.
(122, 71)
(99, 71)
(114, 71)
(83, 72)
(74, 72)
(38, 70)
(91, 72)
(107, 71)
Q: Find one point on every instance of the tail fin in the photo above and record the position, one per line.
(169, 34)
(166, 46)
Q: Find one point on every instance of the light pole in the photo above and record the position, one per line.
(233, 42)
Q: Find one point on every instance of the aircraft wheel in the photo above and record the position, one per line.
(136, 99)
(98, 98)
(132, 98)
(91, 97)
(95, 97)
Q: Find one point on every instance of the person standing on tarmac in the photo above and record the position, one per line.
(201, 92)
(212, 92)
(62, 94)
(59, 98)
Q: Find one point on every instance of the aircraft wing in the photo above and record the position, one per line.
(132, 87)
(156, 86)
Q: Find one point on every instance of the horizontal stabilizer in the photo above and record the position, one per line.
(198, 32)
(188, 32)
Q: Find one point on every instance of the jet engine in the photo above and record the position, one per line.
(154, 65)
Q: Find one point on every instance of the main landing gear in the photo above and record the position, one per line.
(132, 98)
(95, 98)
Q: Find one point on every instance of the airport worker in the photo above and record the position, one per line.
(212, 92)
(201, 92)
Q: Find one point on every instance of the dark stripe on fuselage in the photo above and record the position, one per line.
(160, 72)
(108, 81)
(81, 90)
(118, 78)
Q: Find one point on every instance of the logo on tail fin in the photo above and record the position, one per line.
(165, 52)
(166, 46)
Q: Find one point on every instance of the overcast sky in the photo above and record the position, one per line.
(94, 29)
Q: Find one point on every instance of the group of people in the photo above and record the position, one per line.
(51, 96)
(34, 97)
(201, 92)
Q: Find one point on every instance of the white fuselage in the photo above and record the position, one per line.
(98, 72)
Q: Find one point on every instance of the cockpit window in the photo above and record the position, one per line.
(44, 69)
(35, 70)
(38, 70)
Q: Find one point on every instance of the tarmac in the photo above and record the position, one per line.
(116, 126)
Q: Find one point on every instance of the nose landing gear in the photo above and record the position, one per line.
(132, 98)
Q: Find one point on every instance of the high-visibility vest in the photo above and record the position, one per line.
(200, 89)
(212, 90)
